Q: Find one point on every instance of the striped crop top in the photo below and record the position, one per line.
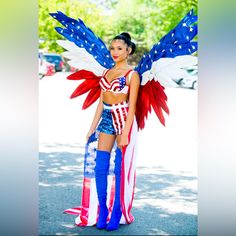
(117, 85)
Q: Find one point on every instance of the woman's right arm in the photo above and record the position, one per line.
(96, 118)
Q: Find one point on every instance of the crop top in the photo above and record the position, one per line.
(117, 85)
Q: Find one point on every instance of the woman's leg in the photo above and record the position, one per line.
(105, 144)
(106, 141)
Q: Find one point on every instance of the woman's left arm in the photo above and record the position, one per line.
(133, 95)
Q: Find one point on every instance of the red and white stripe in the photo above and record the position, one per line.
(104, 84)
(128, 174)
(87, 213)
(119, 114)
(113, 86)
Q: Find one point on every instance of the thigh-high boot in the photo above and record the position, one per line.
(116, 212)
(101, 172)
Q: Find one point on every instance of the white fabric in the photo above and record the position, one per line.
(115, 106)
(80, 58)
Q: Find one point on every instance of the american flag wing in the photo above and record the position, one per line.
(86, 52)
(83, 37)
(163, 65)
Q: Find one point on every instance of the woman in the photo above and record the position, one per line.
(120, 86)
(117, 104)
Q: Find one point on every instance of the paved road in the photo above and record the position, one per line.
(166, 190)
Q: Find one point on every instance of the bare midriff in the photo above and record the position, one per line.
(114, 98)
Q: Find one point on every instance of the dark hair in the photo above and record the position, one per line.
(127, 39)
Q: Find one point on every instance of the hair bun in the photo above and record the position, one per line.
(133, 46)
(127, 35)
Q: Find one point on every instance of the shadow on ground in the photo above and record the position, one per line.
(165, 203)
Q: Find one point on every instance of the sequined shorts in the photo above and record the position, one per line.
(113, 118)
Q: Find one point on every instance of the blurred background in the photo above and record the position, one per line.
(146, 21)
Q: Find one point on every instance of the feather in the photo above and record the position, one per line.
(159, 95)
(83, 37)
(168, 71)
(83, 74)
(84, 87)
(92, 96)
(80, 58)
(175, 43)
(90, 83)
(150, 96)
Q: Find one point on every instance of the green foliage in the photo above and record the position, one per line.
(89, 13)
(147, 21)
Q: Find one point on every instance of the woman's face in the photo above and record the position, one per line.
(119, 50)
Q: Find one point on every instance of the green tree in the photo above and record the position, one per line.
(150, 20)
(147, 21)
(90, 14)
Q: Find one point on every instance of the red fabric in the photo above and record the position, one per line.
(85, 201)
(82, 74)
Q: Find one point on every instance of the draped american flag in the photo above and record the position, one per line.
(87, 213)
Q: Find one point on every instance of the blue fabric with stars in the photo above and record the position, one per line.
(122, 82)
(90, 157)
(90, 151)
